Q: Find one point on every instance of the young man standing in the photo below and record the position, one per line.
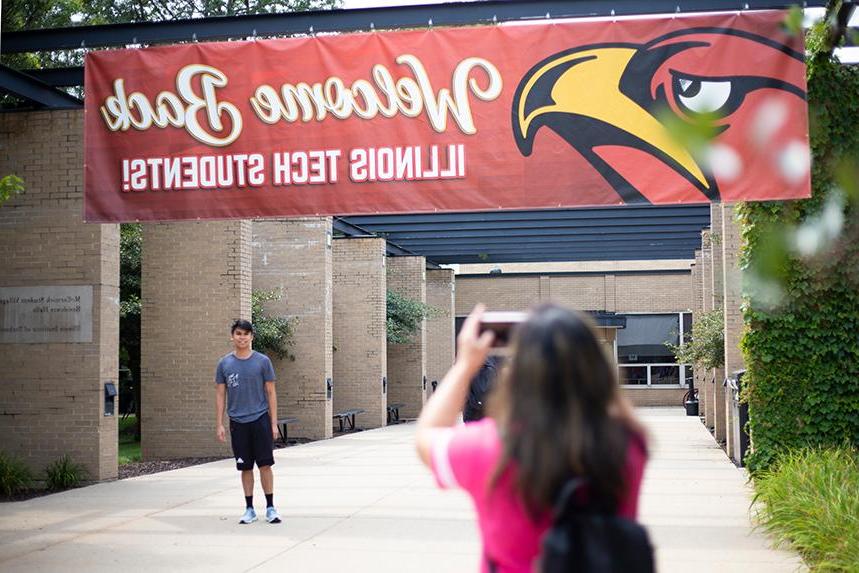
(244, 381)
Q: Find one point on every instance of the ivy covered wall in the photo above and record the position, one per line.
(802, 350)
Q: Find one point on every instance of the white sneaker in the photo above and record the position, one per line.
(271, 515)
(249, 517)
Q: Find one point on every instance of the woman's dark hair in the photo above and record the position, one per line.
(243, 324)
(555, 411)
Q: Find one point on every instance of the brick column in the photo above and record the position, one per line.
(360, 343)
(701, 382)
(610, 293)
(713, 378)
(545, 288)
(196, 279)
(52, 393)
(716, 278)
(440, 336)
(732, 279)
(295, 256)
(407, 362)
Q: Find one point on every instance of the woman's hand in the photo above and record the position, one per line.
(443, 408)
(471, 346)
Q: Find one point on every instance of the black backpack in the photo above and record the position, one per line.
(479, 389)
(585, 539)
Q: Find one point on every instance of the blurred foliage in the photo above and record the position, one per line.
(273, 335)
(801, 262)
(404, 317)
(706, 346)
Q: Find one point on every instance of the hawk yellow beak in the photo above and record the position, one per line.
(590, 87)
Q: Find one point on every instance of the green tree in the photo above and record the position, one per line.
(404, 317)
(706, 346)
(130, 259)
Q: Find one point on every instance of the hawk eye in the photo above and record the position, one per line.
(702, 97)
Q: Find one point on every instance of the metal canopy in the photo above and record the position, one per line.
(640, 232)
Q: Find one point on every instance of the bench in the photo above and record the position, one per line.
(394, 413)
(281, 427)
(349, 416)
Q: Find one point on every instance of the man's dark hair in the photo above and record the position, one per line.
(243, 324)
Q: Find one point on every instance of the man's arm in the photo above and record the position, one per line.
(220, 406)
(272, 406)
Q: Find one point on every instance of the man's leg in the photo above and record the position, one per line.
(248, 482)
(242, 437)
(266, 478)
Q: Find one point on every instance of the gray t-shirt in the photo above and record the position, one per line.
(245, 380)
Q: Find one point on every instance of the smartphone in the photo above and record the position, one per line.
(502, 324)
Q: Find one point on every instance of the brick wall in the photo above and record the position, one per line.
(407, 362)
(440, 340)
(52, 395)
(654, 396)
(360, 356)
(295, 256)
(616, 292)
(639, 292)
(196, 280)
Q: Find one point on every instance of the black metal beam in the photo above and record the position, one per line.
(540, 257)
(452, 14)
(627, 211)
(40, 94)
(409, 238)
(450, 245)
(59, 77)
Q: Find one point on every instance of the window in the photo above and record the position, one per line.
(642, 356)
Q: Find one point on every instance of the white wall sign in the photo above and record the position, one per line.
(43, 314)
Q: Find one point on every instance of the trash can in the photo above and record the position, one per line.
(691, 407)
(740, 415)
(691, 401)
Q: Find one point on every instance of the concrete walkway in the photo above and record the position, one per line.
(363, 503)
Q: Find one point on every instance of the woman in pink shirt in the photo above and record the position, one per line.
(557, 413)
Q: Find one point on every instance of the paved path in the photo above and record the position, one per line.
(362, 503)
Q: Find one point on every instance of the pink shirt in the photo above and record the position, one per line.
(466, 457)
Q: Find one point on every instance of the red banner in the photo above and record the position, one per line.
(650, 110)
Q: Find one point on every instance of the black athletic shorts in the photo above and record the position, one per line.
(252, 442)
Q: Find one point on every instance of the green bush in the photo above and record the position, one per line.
(15, 476)
(64, 474)
(404, 317)
(272, 334)
(810, 499)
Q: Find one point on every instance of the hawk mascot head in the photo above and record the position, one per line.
(615, 103)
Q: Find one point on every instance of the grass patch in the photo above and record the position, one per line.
(129, 453)
(129, 448)
(810, 499)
